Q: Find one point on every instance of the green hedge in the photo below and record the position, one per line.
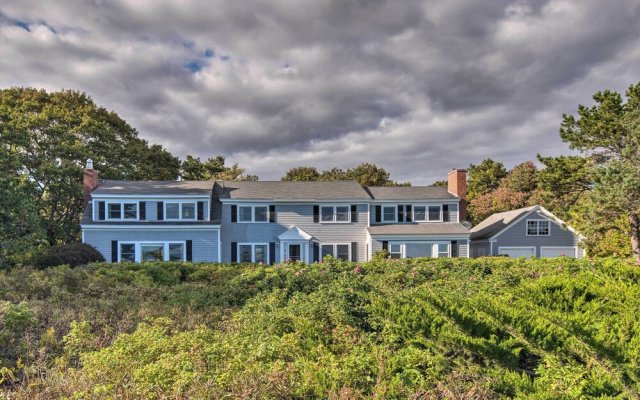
(421, 328)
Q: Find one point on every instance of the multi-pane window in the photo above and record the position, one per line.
(253, 253)
(128, 252)
(339, 251)
(395, 251)
(434, 213)
(180, 211)
(188, 210)
(143, 252)
(389, 214)
(443, 250)
(334, 214)
(537, 227)
(172, 211)
(253, 214)
(122, 210)
(419, 213)
(115, 211)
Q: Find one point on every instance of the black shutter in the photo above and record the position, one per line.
(354, 251)
(408, 215)
(400, 213)
(454, 248)
(378, 214)
(354, 213)
(234, 252)
(445, 212)
(142, 210)
(114, 251)
(316, 251)
(189, 250)
(272, 213)
(234, 213)
(160, 211)
(385, 245)
(201, 211)
(272, 252)
(316, 214)
(101, 210)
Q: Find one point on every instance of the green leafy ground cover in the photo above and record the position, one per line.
(420, 328)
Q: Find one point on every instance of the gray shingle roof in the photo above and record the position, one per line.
(497, 222)
(419, 229)
(278, 190)
(410, 192)
(154, 187)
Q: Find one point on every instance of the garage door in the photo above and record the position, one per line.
(517, 251)
(558, 252)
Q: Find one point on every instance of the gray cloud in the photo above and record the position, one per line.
(417, 87)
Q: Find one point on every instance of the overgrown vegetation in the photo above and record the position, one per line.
(412, 328)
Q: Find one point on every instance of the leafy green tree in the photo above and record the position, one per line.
(484, 177)
(214, 168)
(522, 178)
(440, 183)
(50, 136)
(564, 180)
(334, 174)
(368, 174)
(301, 174)
(609, 133)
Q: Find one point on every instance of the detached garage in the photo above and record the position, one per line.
(525, 232)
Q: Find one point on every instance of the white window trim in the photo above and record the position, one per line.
(107, 215)
(395, 213)
(253, 213)
(426, 213)
(253, 252)
(138, 252)
(180, 203)
(526, 226)
(335, 249)
(335, 213)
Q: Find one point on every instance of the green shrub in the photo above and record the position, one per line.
(73, 254)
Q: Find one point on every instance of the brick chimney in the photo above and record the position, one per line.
(457, 184)
(90, 181)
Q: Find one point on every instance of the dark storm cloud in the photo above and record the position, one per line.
(417, 87)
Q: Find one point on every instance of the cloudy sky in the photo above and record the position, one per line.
(417, 87)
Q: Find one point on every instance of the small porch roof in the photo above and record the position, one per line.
(294, 233)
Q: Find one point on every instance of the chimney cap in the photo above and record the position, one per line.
(89, 164)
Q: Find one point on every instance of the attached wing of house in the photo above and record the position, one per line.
(525, 232)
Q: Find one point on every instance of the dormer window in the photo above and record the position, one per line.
(389, 214)
(121, 210)
(180, 211)
(427, 213)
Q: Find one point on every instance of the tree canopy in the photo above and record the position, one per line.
(214, 168)
(46, 139)
(366, 174)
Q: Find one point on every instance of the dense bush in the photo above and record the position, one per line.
(418, 328)
(73, 254)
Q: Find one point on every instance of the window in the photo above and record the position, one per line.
(128, 252)
(443, 250)
(188, 210)
(115, 210)
(160, 251)
(253, 214)
(412, 250)
(261, 214)
(176, 252)
(122, 210)
(152, 252)
(538, 227)
(253, 253)
(334, 214)
(131, 211)
(179, 210)
(420, 213)
(339, 251)
(389, 214)
(395, 251)
(434, 213)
